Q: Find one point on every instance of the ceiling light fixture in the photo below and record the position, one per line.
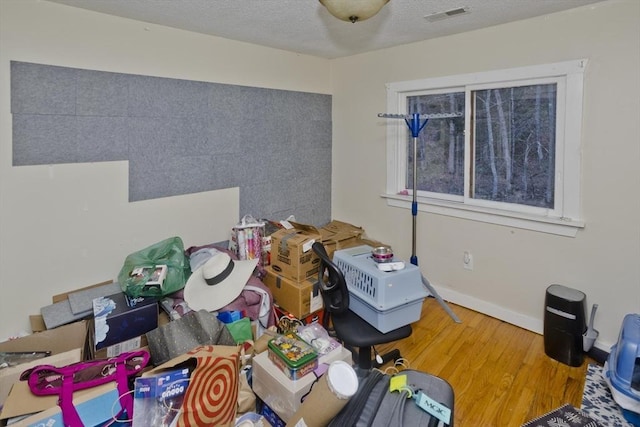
(353, 10)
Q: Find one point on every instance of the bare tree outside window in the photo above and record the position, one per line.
(513, 145)
(440, 145)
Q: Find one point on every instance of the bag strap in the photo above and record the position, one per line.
(397, 410)
(122, 381)
(48, 380)
(70, 416)
(350, 414)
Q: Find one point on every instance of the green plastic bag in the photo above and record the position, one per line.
(144, 274)
(240, 330)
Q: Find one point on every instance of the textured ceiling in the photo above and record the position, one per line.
(306, 27)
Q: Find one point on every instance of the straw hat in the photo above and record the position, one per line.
(217, 282)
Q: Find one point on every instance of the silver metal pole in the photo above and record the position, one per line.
(415, 130)
(415, 195)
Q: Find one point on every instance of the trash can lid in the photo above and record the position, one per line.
(566, 293)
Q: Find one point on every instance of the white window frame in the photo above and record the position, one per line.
(565, 218)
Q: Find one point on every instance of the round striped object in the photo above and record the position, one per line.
(212, 395)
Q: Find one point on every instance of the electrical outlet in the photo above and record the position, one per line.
(467, 260)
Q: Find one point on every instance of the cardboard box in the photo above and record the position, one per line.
(57, 340)
(279, 392)
(119, 318)
(291, 254)
(95, 406)
(339, 227)
(132, 344)
(11, 375)
(37, 323)
(339, 235)
(298, 298)
(293, 321)
(71, 337)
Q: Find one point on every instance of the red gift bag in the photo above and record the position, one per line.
(211, 398)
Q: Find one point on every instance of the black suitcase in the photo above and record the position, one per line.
(374, 405)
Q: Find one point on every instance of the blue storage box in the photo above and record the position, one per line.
(119, 317)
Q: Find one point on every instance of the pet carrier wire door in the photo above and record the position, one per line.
(416, 122)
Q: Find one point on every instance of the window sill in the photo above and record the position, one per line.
(557, 226)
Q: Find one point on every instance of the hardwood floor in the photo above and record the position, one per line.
(500, 373)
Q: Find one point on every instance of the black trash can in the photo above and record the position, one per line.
(564, 324)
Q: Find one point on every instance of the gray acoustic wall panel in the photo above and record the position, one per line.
(180, 136)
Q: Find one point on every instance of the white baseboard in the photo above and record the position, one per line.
(518, 319)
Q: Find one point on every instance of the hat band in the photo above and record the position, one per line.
(223, 275)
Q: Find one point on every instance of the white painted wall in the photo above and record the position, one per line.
(512, 267)
(67, 226)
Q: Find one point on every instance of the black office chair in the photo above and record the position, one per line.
(351, 329)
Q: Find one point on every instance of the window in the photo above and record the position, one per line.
(500, 147)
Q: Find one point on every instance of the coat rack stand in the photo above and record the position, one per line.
(416, 122)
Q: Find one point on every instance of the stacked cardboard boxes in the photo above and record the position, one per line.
(292, 275)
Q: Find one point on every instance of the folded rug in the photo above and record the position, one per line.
(564, 416)
(597, 400)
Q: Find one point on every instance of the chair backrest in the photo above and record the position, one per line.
(335, 294)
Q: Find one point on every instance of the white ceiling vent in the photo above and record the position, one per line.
(439, 16)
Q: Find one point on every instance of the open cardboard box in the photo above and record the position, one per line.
(57, 341)
(15, 395)
(338, 235)
(95, 406)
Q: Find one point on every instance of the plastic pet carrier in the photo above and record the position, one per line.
(622, 368)
(385, 299)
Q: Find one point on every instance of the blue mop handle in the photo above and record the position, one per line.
(415, 126)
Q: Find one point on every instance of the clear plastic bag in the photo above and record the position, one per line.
(136, 277)
(317, 337)
(247, 239)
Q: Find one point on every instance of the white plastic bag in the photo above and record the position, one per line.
(247, 239)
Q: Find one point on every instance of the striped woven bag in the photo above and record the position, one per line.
(212, 396)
